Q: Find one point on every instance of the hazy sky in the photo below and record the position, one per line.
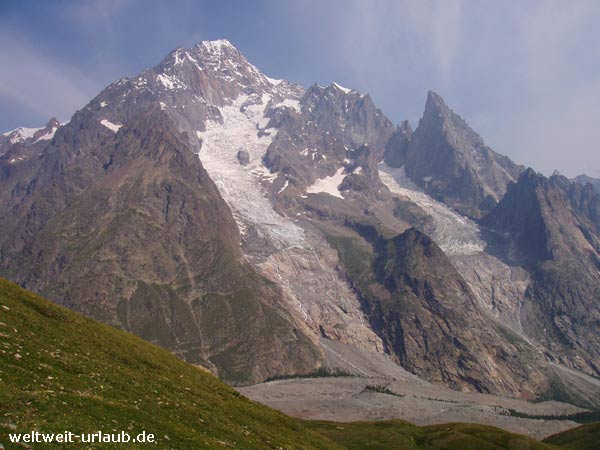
(524, 74)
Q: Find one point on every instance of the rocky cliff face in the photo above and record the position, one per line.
(397, 147)
(451, 162)
(20, 148)
(431, 321)
(551, 227)
(325, 132)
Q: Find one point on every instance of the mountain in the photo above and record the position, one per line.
(327, 130)
(80, 226)
(61, 371)
(430, 320)
(253, 227)
(23, 145)
(584, 179)
(451, 162)
(397, 147)
(551, 226)
(28, 135)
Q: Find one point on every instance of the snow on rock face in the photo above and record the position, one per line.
(273, 81)
(294, 255)
(328, 185)
(288, 103)
(111, 126)
(48, 136)
(285, 185)
(21, 134)
(497, 287)
(170, 82)
(341, 88)
(240, 185)
(217, 46)
(455, 234)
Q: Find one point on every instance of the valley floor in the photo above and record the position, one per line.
(346, 399)
(351, 399)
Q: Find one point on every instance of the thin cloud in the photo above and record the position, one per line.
(437, 25)
(90, 12)
(38, 84)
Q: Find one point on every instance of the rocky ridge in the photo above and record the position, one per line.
(451, 162)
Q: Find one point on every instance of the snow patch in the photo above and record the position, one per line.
(140, 82)
(241, 186)
(178, 60)
(103, 104)
(328, 185)
(114, 127)
(217, 46)
(21, 134)
(170, 82)
(288, 103)
(273, 81)
(345, 90)
(287, 182)
(48, 136)
(455, 234)
(263, 173)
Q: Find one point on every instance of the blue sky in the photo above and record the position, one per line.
(524, 74)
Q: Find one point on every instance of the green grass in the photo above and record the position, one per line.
(322, 372)
(60, 371)
(401, 435)
(585, 437)
(381, 389)
(583, 417)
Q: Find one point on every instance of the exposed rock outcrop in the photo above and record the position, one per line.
(551, 227)
(452, 163)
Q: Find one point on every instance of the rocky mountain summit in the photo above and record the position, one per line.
(446, 158)
(28, 135)
(326, 132)
(23, 145)
(253, 226)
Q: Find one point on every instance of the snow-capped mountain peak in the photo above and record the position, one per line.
(20, 134)
(217, 46)
(27, 136)
(345, 90)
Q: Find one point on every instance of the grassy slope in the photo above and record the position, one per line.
(401, 435)
(585, 437)
(76, 374)
(72, 373)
